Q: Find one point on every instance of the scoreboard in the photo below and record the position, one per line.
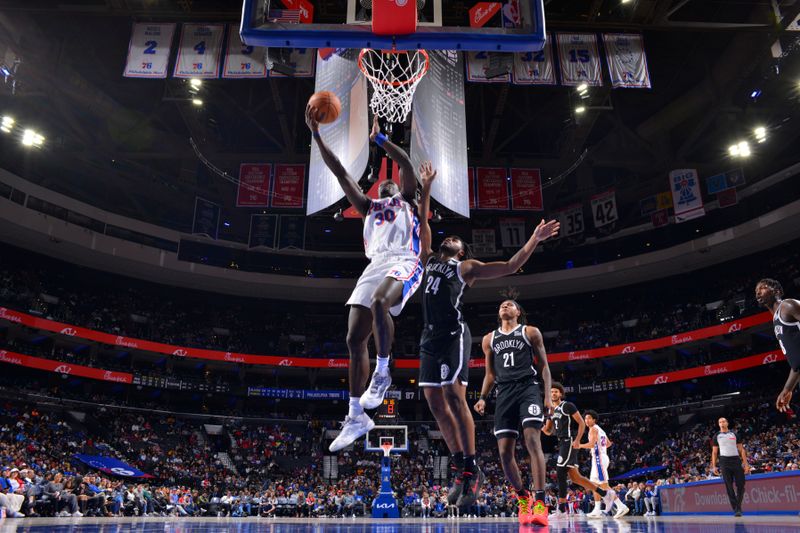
(387, 411)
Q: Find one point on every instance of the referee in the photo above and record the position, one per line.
(732, 462)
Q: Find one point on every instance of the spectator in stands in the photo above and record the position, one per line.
(57, 491)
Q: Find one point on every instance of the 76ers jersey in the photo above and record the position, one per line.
(600, 448)
(391, 228)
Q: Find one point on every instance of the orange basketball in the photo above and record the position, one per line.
(327, 105)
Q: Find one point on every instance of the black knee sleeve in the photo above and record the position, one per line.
(562, 482)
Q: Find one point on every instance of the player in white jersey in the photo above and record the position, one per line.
(598, 445)
(391, 242)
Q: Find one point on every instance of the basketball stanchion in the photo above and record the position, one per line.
(385, 505)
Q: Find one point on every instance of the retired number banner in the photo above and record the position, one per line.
(242, 60)
(578, 58)
(289, 186)
(492, 188)
(526, 189)
(302, 61)
(535, 68)
(627, 62)
(686, 197)
(571, 220)
(604, 208)
(199, 51)
(148, 51)
(253, 185)
(477, 65)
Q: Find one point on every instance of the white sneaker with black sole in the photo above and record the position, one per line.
(352, 429)
(374, 394)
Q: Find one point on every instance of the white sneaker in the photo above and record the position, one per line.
(77, 514)
(609, 498)
(596, 513)
(352, 429)
(622, 511)
(374, 394)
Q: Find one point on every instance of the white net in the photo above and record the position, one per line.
(394, 76)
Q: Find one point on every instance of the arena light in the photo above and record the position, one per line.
(580, 109)
(760, 133)
(196, 82)
(583, 87)
(744, 149)
(733, 150)
(32, 138)
(197, 102)
(7, 123)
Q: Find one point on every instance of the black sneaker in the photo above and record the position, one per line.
(469, 491)
(455, 491)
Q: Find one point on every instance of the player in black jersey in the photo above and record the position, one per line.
(568, 426)
(445, 343)
(516, 361)
(786, 320)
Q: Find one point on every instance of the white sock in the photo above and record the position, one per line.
(355, 407)
(597, 505)
(383, 365)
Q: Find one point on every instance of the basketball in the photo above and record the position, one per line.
(327, 105)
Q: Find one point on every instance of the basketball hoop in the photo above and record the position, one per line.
(387, 447)
(394, 76)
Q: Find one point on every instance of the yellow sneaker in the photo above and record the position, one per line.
(523, 511)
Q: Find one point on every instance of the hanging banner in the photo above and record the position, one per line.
(292, 233)
(471, 186)
(735, 178)
(526, 189)
(149, 50)
(483, 242)
(512, 232)
(660, 218)
(479, 63)
(728, 198)
(604, 208)
(241, 60)
(716, 183)
(253, 188)
(686, 198)
(302, 61)
(206, 218)
(578, 58)
(345, 136)
(492, 188)
(61, 367)
(111, 465)
(648, 206)
(664, 200)
(571, 220)
(288, 186)
(627, 62)
(199, 51)
(535, 68)
(263, 231)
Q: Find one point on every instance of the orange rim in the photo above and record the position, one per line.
(396, 52)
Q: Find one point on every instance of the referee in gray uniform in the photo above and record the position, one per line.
(732, 462)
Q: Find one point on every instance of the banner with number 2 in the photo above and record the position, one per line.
(148, 51)
(199, 51)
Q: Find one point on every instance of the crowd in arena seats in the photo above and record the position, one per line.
(284, 459)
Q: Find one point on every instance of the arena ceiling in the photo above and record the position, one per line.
(122, 144)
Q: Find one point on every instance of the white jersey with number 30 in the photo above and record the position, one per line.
(391, 228)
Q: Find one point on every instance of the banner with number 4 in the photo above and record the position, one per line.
(604, 208)
(242, 60)
(148, 51)
(199, 51)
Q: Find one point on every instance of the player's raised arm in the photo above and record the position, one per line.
(488, 378)
(408, 178)
(472, 269)
(542, 366)
(428, 174)
(354, 194)
(790, 312)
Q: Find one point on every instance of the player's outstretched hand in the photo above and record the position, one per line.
(784, 398)
(545, 230)
(480, 407)
(427, 173)
(311, 119)
(376, 128)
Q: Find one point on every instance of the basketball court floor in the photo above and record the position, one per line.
(682, 524)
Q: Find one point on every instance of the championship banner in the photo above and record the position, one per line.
(535, 68)
(744, 363)
(492, 188)
(571, 220)
(686, 198)
(345, 136)
(579, 59)
(471, 186)
(263, 231)
(242, 60)
(78, 332)
(526, 189)
(512, 232)
(627, 62)
(110, 465)
(604, 208)
(302, 61)
(288, 186)
(199, 50)
(253, 188)
(292, 232)
(483, 242)
(206, 218)
(478, 63)
(148, 51)
(716, 183)
(60, 367)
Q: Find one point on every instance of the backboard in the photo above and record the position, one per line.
(507, 26)
(381, 436)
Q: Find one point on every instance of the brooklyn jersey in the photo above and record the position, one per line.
(600, 448)
(391, 228)
(566, 426)
(788, 335)
(443, 292)
(512, 356)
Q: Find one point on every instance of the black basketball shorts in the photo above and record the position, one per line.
(518, 404)
(444, 356)
(567, 455)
